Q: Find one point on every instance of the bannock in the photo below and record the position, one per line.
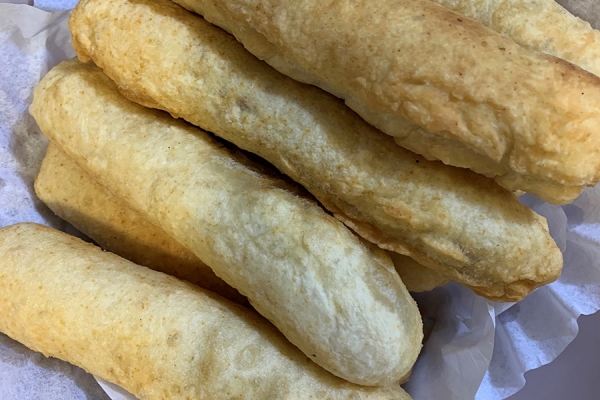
(334, 296)
(542, 25)
(75, 197)
(450, 219)
(416, 277)
(442, 84)
(155, 336)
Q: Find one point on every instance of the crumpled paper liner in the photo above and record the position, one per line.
(477, 348)
(29, 375)
(521, 342)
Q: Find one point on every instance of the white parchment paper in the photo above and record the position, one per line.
(478, 349)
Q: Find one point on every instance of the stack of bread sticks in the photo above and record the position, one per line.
(274, 177)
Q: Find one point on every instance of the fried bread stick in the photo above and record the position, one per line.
(155, 336)
(461, 224)
(75, 197)
(442, 84)
(334, 296)
(542, 25)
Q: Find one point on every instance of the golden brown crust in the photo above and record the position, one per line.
(155, 336)
(450, 219)
(541, 25)
(415, 276)
(75, 197)
(474, 98)
(334, 296)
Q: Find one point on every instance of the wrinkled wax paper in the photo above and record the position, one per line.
(478, 349)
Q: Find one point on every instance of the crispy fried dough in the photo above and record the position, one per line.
(75, 197)
(156, 336)
(450, 219)
(334, 296)
(542, 25)
(443, 85)
(416, 277)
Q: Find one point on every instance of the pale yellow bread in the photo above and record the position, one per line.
(75, 197)
(461, 224)
(442, 84)
(150, 333)
(416, 277)
(333, 295)
(541, 25)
